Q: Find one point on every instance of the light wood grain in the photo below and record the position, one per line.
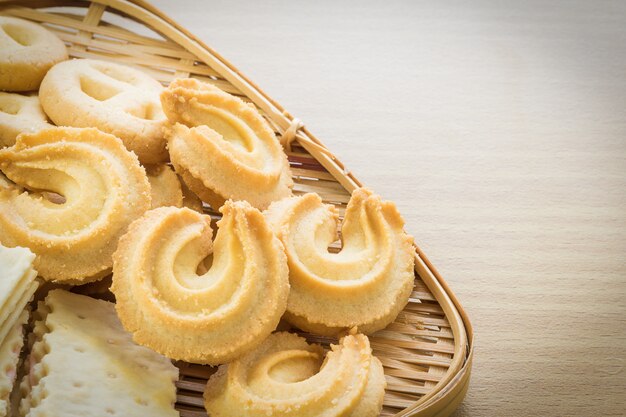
(499, 128)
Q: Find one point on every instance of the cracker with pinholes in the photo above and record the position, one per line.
(84, 364)
(19, 113)
(27, 51)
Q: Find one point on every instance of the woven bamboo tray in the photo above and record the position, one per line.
(427, 352)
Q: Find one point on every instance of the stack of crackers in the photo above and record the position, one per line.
(17, 285)
(81, 361)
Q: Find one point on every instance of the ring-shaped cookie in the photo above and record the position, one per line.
(114, 98)
(104, 190)
(19, 114)
(27, 52)
(366, 284)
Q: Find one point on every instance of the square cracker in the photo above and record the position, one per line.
(83, 363)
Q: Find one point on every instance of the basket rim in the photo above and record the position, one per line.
(449, 392)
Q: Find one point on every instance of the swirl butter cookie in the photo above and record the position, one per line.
(114, 98)
(210, 317)
(366, 284)
(27, 51)
(222, 147)
(19, 114)
(287, 377)
(103, 189)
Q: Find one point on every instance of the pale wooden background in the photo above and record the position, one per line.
(499, 128)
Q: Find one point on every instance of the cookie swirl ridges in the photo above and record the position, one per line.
(222, 147)
(103, 187)
(287, 377)
(211, 317)
(366, 284)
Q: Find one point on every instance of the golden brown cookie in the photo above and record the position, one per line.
(114, 98)
(165, 188)
(366, 284)
(103, 187)
(210, 317)
(287, 377)
(27, 51)
(190, 200)
(222, 147)
(19, 114)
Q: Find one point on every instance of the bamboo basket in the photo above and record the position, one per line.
(427, 352)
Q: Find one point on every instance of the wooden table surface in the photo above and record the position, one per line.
(499, 128)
